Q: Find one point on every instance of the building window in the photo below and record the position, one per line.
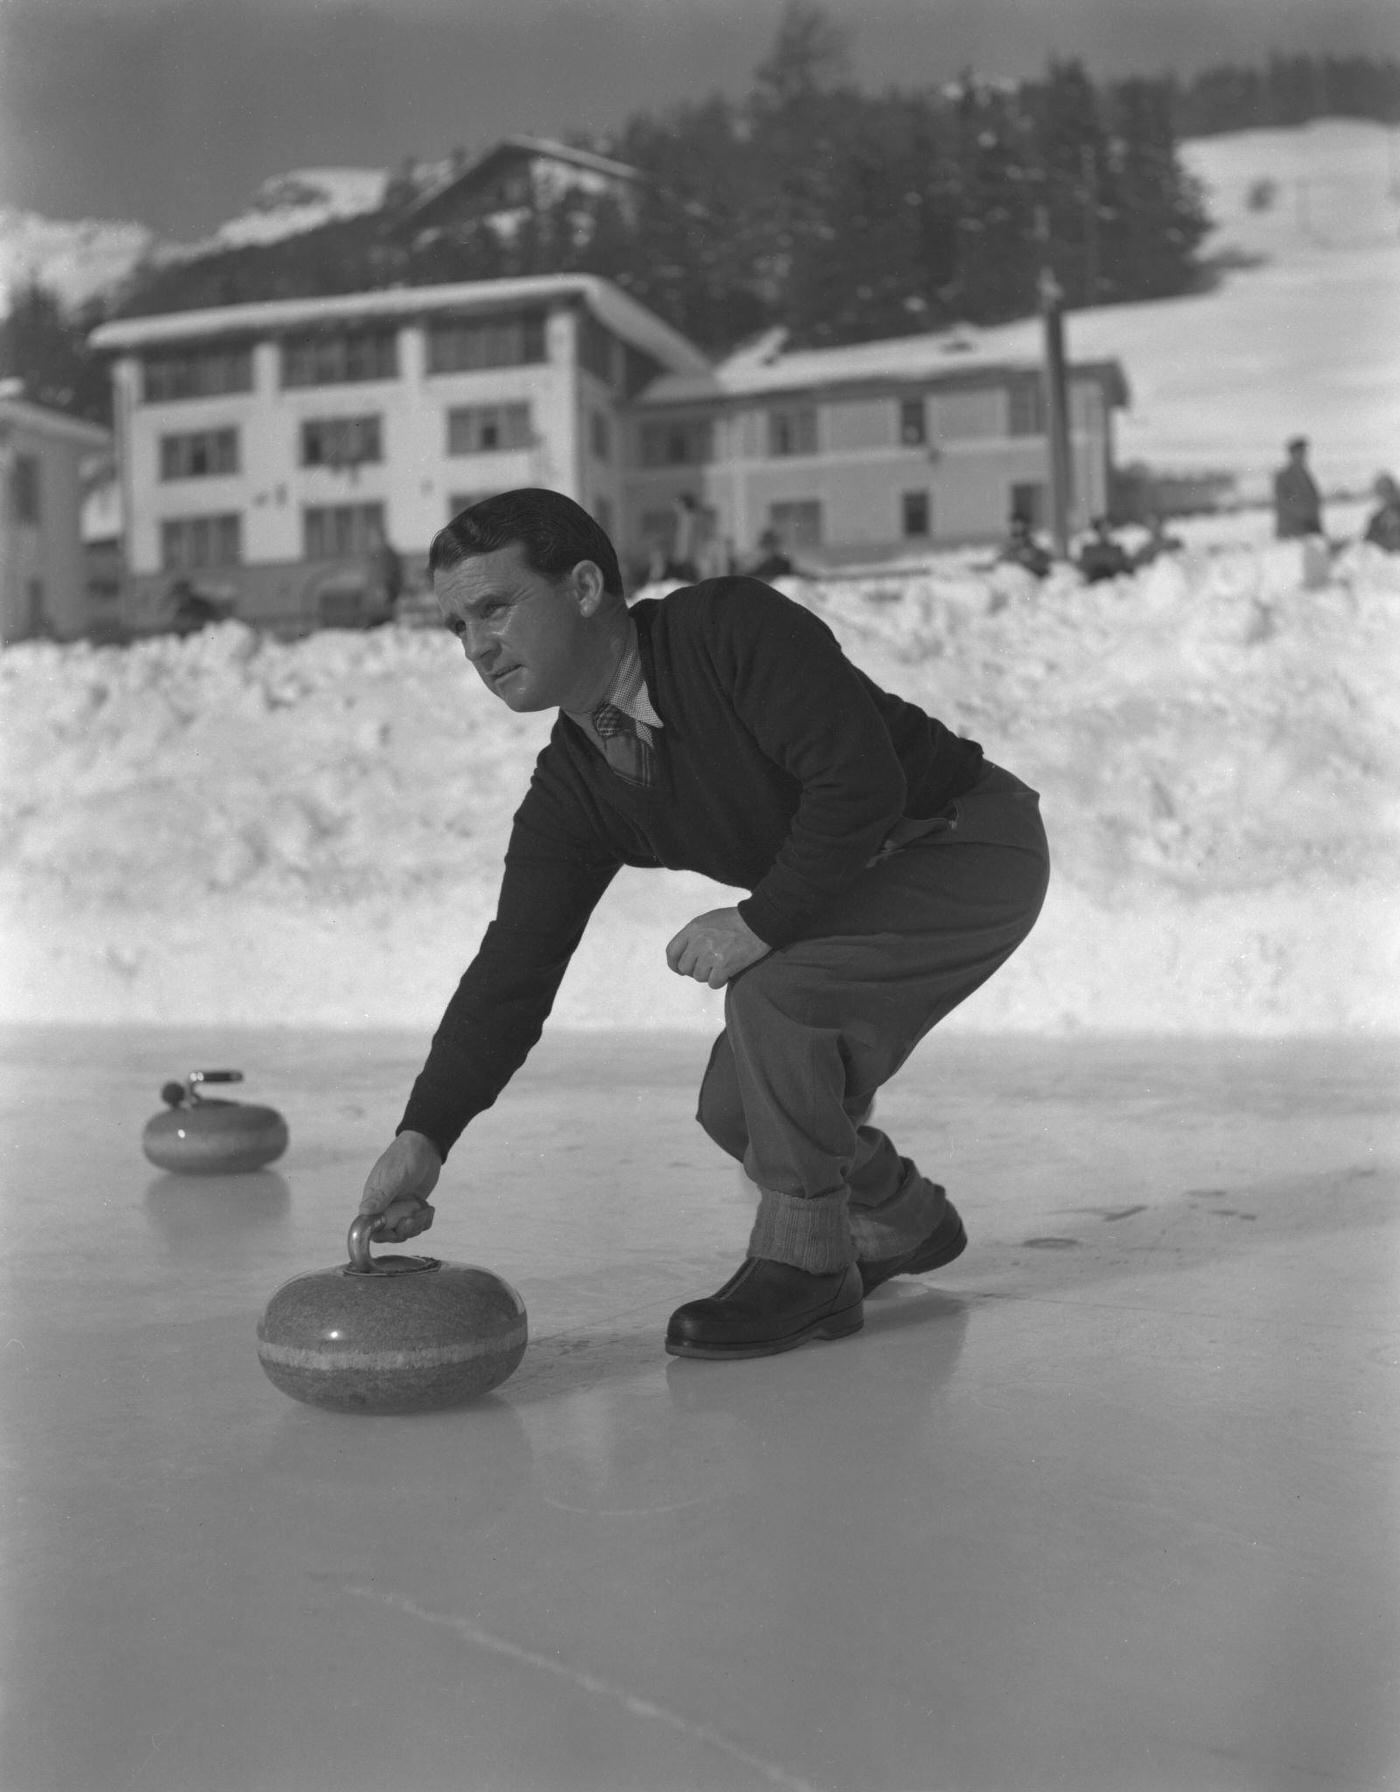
(488, 428)
(686, 443)
(341, 531)
(1026, 410)
(205, 372)
(340, 441)
(638, 370)
(25, 501)
(203, 454)
(914, 513)
(600, 435)
(793, 430)
(1028, 500)
(340, 357)
(461, 347)
(510, 192)
(188, 543)
(597, 349)
(913, 422)
(797, 522)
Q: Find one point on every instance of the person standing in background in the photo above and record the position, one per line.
(1297, 500)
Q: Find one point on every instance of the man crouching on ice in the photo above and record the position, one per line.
(890, 868)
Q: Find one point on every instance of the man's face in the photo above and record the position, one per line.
(525, 635)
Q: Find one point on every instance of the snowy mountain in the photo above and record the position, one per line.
(77, 260)
(302, 200)
(80, 261)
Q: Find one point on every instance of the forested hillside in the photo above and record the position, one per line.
(840, 214)
(1288, 90)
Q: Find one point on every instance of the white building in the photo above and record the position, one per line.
(44, 457)
(862, 451)
(267, 450)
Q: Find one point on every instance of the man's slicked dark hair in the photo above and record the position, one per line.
(555, 533)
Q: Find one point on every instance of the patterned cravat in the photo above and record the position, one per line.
(631, 757)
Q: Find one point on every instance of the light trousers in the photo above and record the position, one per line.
(813, 1030)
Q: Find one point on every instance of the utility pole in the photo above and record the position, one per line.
(1056, 390)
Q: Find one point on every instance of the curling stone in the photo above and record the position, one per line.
(391, 1334)
(206, 1136)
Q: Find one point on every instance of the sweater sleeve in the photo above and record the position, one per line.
(811, 713)
(555, 873)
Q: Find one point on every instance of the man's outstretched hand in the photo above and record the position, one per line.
(397, 1188)
(715, 947)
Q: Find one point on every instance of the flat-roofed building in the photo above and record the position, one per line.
(44, 460)
(860, 452)
(269, 451)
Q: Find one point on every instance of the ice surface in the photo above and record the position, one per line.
(232, 829)
(1107, 1505)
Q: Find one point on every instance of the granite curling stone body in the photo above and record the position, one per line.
(203, 1135)
(391, 1334)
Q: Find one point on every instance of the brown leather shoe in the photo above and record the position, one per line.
(946, 1241)
(767, 1307)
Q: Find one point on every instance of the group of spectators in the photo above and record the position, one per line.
(1100, 556)
(1297, 516)
(1298, 503)
(694, 553)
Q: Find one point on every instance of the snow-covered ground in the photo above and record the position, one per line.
(230, 829)
(234, 830)
(1300, 333)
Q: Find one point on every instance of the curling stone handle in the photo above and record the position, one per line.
(186, 1094)
(362, 1230)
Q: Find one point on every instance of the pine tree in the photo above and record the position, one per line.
(1160, 219)
(47, 348)
(697, 247)
(885, 258)
(997, 191)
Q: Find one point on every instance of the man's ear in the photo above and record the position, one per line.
(589, 587)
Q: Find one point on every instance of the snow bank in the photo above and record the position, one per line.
(230, 829)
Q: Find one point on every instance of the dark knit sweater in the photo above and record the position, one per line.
(780, 769)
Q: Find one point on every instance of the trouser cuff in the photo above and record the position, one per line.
(806, 1232)
(902, 1220)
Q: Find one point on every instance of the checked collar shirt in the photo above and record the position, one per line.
(622, 724)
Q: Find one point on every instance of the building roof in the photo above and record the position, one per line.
(765, 368)
(510, 149)
(19, 413)
(609, 304)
